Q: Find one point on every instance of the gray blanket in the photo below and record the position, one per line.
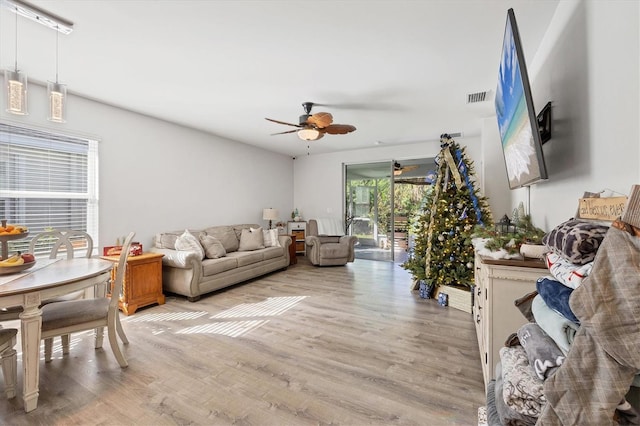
(542, 351)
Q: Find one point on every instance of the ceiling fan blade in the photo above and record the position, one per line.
(320, 119)
(283, 122)
(284, 133)
(338, 129)
(409, 168)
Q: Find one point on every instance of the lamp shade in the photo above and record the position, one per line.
(308, 134)
(270, 214)
(16, 92)
(57, 101)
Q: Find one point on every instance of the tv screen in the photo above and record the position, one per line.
(517, 121)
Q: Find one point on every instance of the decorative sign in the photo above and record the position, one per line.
(601, 208)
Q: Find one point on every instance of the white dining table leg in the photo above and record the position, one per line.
(31, 322)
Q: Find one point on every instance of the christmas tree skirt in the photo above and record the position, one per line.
(458, 297)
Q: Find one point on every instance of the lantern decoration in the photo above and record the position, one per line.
(505, 226)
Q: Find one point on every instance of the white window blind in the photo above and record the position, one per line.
(48, 181)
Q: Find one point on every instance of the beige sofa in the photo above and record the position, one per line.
(185, 273)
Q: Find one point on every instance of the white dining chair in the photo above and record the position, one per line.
(63, 243)
(9, 360)
(63, 318)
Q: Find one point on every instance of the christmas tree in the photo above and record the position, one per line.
(443, 253)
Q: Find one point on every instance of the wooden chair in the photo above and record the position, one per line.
(63, 318)
(9, 360)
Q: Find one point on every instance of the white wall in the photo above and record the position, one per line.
(587, 67)
(319, 190)
(157, 176)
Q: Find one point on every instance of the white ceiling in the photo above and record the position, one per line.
(399, 71)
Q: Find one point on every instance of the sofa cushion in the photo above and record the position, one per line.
(226, 235)
(271, 238)
(334, 250)
(188, 242)
(212, 246)
(251, 239)
(245, 258)
(272, 252)
(215, 266)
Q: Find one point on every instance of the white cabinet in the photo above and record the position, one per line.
(498, 283)
(299, 230)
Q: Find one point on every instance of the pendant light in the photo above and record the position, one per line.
(57, 94)
(16, 85)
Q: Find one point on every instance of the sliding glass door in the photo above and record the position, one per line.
(382, 200)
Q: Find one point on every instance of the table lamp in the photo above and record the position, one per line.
(270, 215)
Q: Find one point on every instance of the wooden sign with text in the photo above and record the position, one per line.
(601, 208)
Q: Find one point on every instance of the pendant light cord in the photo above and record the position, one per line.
(57, 44)
(16, 39)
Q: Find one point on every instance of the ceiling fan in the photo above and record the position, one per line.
(313, 127)
(398, 169)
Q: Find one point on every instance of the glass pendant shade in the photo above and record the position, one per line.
(308, 134)
(57, 94)
(16, 92)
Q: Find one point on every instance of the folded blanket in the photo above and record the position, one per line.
(559, 328)
(566, 272)
(543, 353)
(507, 415)
(556, 296)
(330, 226)
(522, 389)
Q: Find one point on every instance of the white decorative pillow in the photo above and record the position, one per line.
(188, 242)
(213, 248)
(271, 238)
(251, 239)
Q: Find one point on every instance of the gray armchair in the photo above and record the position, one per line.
(326, 250)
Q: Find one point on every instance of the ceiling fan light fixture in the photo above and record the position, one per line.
(308, 134)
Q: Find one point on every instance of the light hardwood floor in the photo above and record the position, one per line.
(308, 346)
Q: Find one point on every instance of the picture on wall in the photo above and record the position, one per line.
(517, 122)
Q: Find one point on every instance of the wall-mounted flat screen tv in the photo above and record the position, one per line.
(517, 121)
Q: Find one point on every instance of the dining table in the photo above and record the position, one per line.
(48, 278)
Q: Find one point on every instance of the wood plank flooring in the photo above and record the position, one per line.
(308, 346)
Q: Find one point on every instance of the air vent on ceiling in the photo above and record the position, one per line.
(472, 98)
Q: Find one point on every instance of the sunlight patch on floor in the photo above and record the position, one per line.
(273, 306)
(248, 316)
(170, 316)
(225, 328)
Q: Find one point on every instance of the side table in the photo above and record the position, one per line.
(293, 259)
(142, 282)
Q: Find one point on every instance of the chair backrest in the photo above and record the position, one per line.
(62, 241)
(116, 289)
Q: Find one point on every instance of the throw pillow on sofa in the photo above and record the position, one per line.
(188, 242)
(251, 239)
(271, 238)
(213, 248)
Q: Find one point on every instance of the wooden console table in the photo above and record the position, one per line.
(142, 282)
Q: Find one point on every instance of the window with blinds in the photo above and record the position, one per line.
(48, 181)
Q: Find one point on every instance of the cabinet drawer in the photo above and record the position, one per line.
(298, 234)
(299, 246)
